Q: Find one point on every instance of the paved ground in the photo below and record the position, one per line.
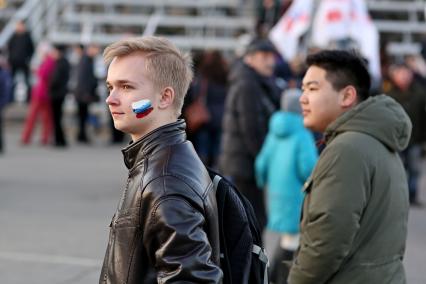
(55, 207)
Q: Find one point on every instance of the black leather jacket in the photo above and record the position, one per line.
(165, 229)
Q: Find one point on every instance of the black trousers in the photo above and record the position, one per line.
(57, 112)
(25, 68)
(83, 114)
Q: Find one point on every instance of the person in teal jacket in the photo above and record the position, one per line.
(284, 163)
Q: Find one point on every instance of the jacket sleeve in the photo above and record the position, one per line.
(250, 119)
(262, 161)
(333, 208)
(178, 245)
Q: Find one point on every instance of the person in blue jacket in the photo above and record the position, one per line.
(6, 83)
(284, 163)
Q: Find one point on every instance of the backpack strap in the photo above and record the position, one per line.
(260, 252)
(216, 181)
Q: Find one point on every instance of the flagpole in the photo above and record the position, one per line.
(306, 44)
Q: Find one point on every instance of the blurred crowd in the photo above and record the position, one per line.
(241, 107)
(48, 75)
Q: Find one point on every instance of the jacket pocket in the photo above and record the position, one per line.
(125, 235)
(126, 218)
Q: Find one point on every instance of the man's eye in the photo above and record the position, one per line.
(126, 87)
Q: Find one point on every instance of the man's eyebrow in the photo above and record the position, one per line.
(310, 83)
(120, 82)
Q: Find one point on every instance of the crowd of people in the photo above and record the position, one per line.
(51, 72)
(339, 163)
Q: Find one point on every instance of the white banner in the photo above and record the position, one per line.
(347, 19)
(334, 20)
(295, 22)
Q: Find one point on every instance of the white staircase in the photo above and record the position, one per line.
(191, 24)
(401, 23)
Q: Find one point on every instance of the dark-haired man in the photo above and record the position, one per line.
(354, 220)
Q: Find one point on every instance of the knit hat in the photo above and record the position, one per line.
(290, 101)
(260, 44)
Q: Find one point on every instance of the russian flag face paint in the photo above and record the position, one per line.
(142, 108)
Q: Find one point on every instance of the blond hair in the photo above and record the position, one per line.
(165, 64)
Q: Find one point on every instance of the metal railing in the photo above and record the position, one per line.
(39, 16)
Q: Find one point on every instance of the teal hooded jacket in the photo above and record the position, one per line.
(285, 161)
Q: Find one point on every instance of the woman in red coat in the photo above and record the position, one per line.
(40, 101)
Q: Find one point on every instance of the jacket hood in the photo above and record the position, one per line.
(380, 117)
(283, 124)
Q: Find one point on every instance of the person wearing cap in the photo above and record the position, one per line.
(355, 211)
(282, 166)
(251, 100)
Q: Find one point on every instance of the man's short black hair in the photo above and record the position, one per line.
(343, 68)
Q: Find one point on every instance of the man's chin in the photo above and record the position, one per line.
(310, 126)
(306, 123)
(119, 127)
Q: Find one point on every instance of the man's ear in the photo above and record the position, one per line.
(349, 97)
(167, 98)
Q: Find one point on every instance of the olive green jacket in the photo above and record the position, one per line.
(355, 213)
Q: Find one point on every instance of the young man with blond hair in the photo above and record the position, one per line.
(165, 229)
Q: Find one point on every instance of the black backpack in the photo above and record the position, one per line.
(242, 257)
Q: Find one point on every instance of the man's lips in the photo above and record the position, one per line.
(305, 112)
(116, 113)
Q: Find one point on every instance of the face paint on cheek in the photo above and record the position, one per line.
(142, 108)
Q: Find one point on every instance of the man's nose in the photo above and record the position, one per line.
(302, 98)
(112, 98)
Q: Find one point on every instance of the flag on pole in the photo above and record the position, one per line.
(287, 32)
(338, 20)
(333, 21)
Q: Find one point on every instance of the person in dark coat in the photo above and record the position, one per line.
(211, 83)
(85, 92)
(410, 93)
(251, 100)
(58, 91)
(21, 49)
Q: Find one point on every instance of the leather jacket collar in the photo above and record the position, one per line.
(161, 137)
